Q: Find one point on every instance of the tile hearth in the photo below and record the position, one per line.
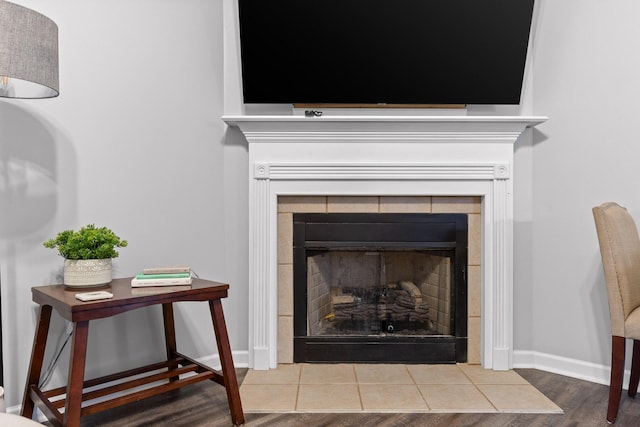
(331, 388)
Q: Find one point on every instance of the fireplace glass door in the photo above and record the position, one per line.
(379, 293)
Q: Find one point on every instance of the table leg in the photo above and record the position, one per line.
(226, 360)
(73, 403)
(37, 356)
(170, 335)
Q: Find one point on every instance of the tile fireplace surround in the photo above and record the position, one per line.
(383, 156)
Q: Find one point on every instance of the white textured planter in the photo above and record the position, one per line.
(87, 273)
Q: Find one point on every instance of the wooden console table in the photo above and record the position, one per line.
(177, 371)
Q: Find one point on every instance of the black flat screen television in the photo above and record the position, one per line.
(384, 51)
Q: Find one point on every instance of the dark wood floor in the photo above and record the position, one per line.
(205, 404)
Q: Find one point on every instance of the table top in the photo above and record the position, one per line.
(125, 298)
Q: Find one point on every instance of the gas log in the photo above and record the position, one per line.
(400, 301)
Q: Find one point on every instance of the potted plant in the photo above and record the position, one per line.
(87, 254)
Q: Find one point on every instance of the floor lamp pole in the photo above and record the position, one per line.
(28, 67)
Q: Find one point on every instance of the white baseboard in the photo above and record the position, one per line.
(573, 368)
(240, 360)
(587, 371)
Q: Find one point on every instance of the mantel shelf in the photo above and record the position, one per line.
(382, 128)
(528, 121)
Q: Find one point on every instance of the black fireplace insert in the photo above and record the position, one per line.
(380, 288)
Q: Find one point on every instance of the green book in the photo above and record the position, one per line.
(142, 276)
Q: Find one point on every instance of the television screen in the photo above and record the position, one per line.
(384, 51)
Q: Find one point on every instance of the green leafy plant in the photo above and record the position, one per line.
(90, 242)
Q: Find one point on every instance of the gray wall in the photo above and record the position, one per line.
(586, 80)
(582, 74)
(135, 142)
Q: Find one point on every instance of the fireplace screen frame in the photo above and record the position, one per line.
(317, 232)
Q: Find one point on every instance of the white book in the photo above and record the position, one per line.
(138, 283)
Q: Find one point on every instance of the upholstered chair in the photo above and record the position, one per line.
(620, 252)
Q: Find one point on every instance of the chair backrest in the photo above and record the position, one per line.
(620, 252)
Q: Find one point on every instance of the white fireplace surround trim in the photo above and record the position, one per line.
(376, 156)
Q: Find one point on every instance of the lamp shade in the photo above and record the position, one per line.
(28, 53)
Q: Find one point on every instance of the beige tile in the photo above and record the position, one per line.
(479, 375)
(285, 238)
(474, 290)
(475, 239)
(396, 204)
(518, 398)
(276, 390)
(327, 374)
(268, 398)
(391, 397)
(285, 289)
(285, 339)
(328, 397)
(357, 204)
(455, 398)
(302, 204)
(456, 204)
(383, 374)
(437, 374)
(474, 325)
(283, 374)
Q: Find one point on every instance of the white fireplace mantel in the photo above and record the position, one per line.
(383, 156)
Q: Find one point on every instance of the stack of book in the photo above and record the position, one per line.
(162, 276)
